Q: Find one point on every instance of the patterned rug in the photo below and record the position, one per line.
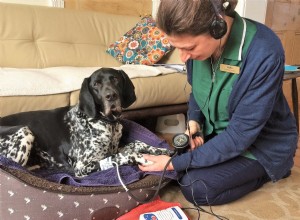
(274, 201)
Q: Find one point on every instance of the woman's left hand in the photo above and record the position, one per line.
(158, 163)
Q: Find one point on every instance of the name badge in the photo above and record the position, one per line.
(230, 69)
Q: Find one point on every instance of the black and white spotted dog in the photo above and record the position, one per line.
(80, 139)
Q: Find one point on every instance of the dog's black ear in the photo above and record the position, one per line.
(128, 91)
(86, 100)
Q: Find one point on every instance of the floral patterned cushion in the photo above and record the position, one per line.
(143, 44)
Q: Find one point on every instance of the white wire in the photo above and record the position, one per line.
(119, 176)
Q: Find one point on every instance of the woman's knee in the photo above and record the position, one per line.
(197, 191)
(202, 192)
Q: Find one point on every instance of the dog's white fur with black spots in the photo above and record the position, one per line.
(77, 139)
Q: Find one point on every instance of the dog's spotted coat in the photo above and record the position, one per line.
(17, 146)
(102, 138)
(81, 138)
(92, 141)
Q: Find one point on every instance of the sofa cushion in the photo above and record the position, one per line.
(56, 80)
(161, 90)
(14, 104)
(23, 89)
(53, 37)
(143, 44)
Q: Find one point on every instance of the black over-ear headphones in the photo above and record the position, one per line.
(218, 27)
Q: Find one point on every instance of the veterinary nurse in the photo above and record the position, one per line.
(235, 67)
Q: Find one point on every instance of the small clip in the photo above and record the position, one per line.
(198, 134)
(225, 5)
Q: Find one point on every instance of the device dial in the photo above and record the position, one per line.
(180, 140)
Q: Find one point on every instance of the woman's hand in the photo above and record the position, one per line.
(194, 127)
(158, 163)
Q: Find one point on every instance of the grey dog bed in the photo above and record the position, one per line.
(26, 195)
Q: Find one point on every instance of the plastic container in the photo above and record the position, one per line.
(171, 124)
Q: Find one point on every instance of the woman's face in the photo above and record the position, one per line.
(198, 47)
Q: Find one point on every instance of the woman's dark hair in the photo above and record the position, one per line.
(193, 17)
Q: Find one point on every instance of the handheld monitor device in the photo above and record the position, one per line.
(180, 142)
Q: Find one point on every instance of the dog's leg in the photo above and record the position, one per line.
(119, 159)
(132, 154)
(82, 170)
(133, 158)
(143, 148)
(17, 146)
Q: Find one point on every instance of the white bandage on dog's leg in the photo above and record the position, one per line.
(106, 163)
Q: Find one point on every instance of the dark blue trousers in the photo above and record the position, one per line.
(222, 183)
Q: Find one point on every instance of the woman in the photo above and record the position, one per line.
(235, 67)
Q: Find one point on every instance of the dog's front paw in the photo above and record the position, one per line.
(138, 158)
(146, 163)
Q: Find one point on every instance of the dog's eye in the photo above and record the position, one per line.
(96, 84)
(115, 79)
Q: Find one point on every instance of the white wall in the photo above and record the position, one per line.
(50, 3)
(155, 4)
(253, 9)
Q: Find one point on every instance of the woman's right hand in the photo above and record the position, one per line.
(194, 127)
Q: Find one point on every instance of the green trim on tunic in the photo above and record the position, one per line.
(212, 97)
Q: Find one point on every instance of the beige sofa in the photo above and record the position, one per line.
(33, 37)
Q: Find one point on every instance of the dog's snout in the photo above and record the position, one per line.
(111, 96)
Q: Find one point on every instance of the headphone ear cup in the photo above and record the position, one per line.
(218, 28)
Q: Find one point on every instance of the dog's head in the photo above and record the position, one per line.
(105, 93)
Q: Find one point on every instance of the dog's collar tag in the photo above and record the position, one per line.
(229, 68)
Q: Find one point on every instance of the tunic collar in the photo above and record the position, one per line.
(234, 45)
